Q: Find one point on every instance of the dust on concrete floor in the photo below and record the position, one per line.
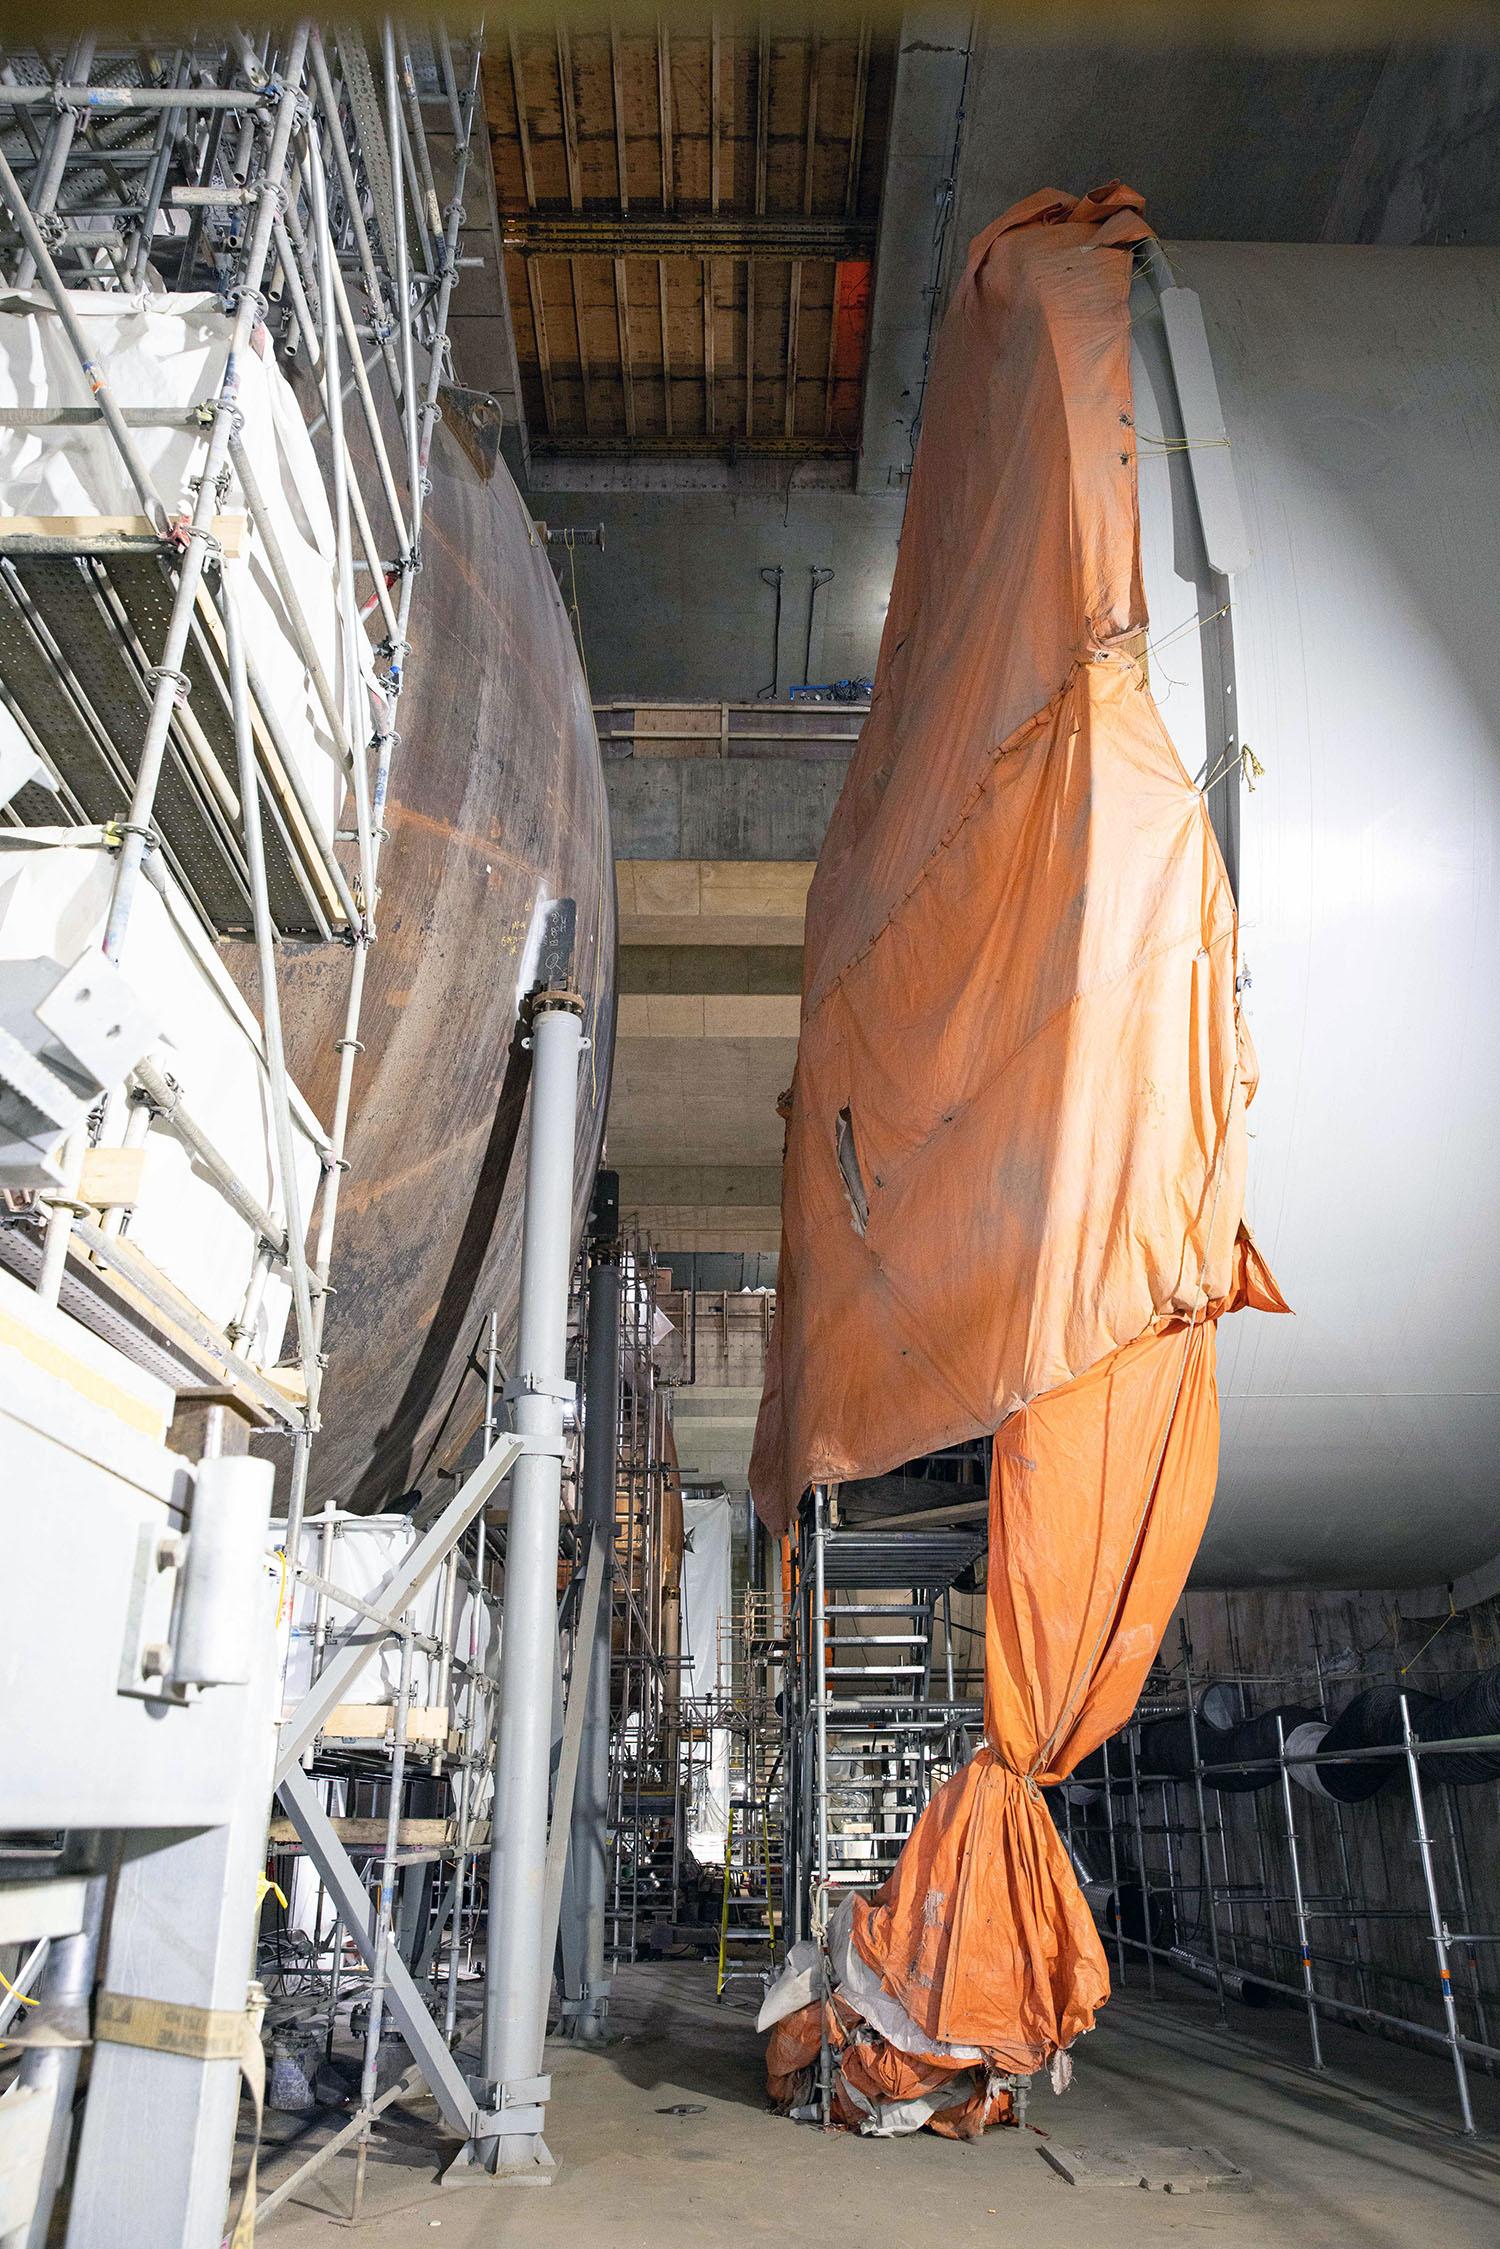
(1351, 2158)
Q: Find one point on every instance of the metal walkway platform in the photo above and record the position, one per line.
(78, 616)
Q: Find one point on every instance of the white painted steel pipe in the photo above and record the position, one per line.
(514, 1957)
(219, 1618)
(1360, 398)
(590, 1838)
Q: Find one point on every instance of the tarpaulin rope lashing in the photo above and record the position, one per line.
(1015, 1166)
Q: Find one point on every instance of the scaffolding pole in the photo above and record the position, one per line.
(588, 2003)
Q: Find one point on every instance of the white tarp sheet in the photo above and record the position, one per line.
(360, 1553)
(53, 901)
(706, 1604)
(162, 351)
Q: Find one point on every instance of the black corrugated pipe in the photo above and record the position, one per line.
(1373, 1720)
(1166, 1750)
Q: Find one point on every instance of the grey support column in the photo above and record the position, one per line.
(589, 1871)
(514, 1962)
(158, 2129)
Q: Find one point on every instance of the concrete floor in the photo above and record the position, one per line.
(1351, 2158)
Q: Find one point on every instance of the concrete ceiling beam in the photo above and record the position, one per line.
(931, 66)
(713, 901)
(708, 1015)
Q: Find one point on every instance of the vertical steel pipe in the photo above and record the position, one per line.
(1132, 1745)
(403, 275)
(820, 1914)
(385, 1909)
(1304, 1947)
(52, 2071)
(1210, 1902)
(1435, 1917)
(55, 149)
(1461, 1892)
(591, 1802)
(1114, 1863)
(270, 1007)
(168, 675)
(514, 1966)
(60, 1208)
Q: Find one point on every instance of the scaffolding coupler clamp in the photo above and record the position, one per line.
(540, 1386)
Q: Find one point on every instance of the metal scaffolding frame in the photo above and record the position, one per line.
(751, 1661)
(645, 1826)
(278, 172)
(1224, 1888)
(869, 1731)
(297, 177)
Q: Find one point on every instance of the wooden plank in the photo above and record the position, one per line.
(253, 1397)
(617, 94)
(671, 729)
(523, 130)
(569, 118)
(793, 315)
(708, 347)
(712, 1015)
(664, 113)
(372, 1721)
(666, 344)
(833, 349)
(857, 120)
(622, 326)
(714, 65)
(583, 349)
(762, 116)
(82, 531)
(111, 1176)
(369, 1834)
(539, 329)
(810, 154)
(667, 234)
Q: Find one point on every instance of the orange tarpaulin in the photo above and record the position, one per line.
(1015, 1158)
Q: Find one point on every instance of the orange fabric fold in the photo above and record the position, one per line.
(1098, 1497)
(1016, 1130)
(1013, 1191)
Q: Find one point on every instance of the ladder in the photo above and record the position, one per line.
(869, 1732)
(749, 1915)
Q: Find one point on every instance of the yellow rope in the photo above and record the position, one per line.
(1427, 1643)
(10, 1987)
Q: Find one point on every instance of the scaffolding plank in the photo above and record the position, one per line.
(66, 626)
(864, 1560)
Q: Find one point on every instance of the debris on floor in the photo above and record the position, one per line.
(1166, 2170)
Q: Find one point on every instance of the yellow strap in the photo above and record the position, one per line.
(203, 2034)
(253, 2070)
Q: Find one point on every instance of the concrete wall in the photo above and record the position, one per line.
(1425, 165)
(1226, 144)
(721, 808)
(675, 606)
(1282, 1641)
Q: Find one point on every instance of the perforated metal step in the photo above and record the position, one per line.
(79, 632)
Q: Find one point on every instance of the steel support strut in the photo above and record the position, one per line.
(587, 2002)
(517, 1957)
